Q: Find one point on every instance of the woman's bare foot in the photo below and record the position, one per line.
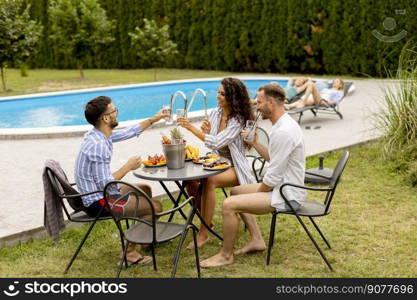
(252, 246)
(217, 260)
(201, 240)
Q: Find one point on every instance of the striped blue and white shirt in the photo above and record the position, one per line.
(92, 167)
(230, 136)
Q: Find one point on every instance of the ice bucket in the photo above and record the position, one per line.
(174, 155)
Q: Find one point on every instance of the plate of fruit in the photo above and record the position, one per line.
(216, 165)
(155, 161)
(209, 158)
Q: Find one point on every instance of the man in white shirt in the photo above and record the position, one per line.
(286, 157)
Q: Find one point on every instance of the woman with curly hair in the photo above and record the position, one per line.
(221, 133)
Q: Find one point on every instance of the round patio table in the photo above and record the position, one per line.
(191, 171)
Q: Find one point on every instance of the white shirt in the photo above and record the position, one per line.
(230, 136)
(287, 161)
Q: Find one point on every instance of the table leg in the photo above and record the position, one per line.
(176, 202)
(181, 187)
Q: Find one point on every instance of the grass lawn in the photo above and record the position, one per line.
(371, 229)
(48, 80)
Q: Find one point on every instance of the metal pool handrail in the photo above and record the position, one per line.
(173, 97)
(201, 91)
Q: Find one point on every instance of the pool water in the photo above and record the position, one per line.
(133, 103)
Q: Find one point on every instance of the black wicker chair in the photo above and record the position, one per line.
(153, 232)
(311, 209)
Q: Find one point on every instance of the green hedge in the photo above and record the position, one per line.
(307, 36)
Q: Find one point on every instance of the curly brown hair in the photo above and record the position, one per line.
(237, 96)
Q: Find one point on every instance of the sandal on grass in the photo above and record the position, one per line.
(142, 261)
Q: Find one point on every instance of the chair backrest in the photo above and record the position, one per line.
(337, 173)
(129, 190)
(75, 203)
(263, 138)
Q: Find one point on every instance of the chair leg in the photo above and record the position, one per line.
(225, 193)
(197, 259)
(299, 117)
(314, 242)
(79, 247)
(122, 259)
(339, 114)
(119, 227)
(271, 237)
(153, 258)
(321, 234)
(176, 257)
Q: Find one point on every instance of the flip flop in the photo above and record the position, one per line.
(143, 261)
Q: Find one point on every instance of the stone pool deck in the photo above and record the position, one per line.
(21, 189)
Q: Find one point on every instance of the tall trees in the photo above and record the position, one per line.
(18, 34)
(79, 27)
(152, 44)
(311, 36)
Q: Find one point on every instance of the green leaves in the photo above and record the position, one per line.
(79, 27)
(18, 33)
(152, 43)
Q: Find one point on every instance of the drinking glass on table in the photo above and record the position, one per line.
(250, 129)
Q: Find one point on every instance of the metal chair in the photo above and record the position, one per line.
(311, 209)
(77, 216)
(153, 232)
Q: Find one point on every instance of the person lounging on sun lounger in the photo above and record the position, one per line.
(295, 87)
(312, 96)
(319, 98)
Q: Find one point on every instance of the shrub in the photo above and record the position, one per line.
(398, 119)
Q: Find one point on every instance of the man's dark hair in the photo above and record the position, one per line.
(95, 108)
(274, 91)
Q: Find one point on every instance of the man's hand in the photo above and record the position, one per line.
(134, 162)
(243, 134)
(206, 126)
(184, 122)
(159, 115)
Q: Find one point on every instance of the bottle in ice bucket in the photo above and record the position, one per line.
(174, 149)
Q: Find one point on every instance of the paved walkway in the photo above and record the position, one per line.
(22, 161)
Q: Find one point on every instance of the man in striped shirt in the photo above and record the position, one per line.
(92, 167)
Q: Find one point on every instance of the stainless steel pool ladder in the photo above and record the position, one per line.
(172, 101)
(201, 91)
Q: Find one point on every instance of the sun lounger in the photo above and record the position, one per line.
(322, 107)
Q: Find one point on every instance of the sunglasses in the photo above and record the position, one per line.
(116, 110)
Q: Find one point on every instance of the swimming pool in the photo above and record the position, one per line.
(134, 102)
